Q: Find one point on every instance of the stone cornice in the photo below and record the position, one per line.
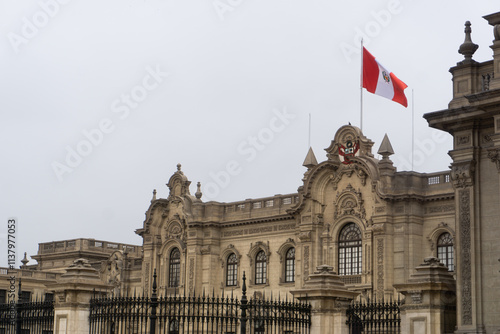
(240, 222)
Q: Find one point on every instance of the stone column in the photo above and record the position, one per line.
(429, 300)
(329, 299)
(72, 297)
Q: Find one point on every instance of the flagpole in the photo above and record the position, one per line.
(412, 129)
(361, 90)
(309, 143)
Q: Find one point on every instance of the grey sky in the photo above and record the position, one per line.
(195, 82)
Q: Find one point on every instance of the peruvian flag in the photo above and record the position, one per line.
(378, 80)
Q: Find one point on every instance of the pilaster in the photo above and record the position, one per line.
(329, 299)
(72, 297)
(494, 20)
(429, 299)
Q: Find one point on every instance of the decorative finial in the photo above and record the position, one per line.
(179, 167)
(310, 160)
(198, 193)
(467, 48)
(154, 281)
(244, 287)
(154, 195)
(25, 260)
(385, 149)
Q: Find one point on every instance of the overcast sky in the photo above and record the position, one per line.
(100, 100)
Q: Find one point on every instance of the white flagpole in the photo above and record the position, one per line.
(412, 129)
(361, 90)
(309, 131)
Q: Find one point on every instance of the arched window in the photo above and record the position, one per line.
(350, 252)
(232, 270)
(445, 250)
(173, 327)
(174, 268)
(260, 268)
(290, 265)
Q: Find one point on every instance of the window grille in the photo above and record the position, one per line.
(445, 250)
(290, 265)
(350, 250)
(260, 268)
(174, 270)
(232, 270)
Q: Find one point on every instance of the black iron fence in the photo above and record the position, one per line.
(27, 317)
(197, 314)
(374, 317)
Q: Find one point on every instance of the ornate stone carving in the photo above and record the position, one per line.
(399, 209)
(61, 297)
(324, 269)
(113, 270)
(205, 250)
(191, 274)
(306, 262)
(439, 209)
(462, 140)
(226, 252)
(465, 258)
(494, 156)
(416, 296)
(178, 184)
(462, 173)
(254, 249)
(349, 170)
(305, 236)
(175, 230)
(378, 228)
(380, 267)
(361, 174)
(146, 277)
(349, 203)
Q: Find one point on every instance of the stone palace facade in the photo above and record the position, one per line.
(353, 212)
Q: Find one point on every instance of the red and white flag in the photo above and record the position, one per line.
(378, 80)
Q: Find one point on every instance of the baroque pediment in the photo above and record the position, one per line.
(349, 202)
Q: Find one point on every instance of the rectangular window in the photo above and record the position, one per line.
(257, 205)
(3, 296)
(287, 200)
(433, 180)
(269, 203)
(260, 273)
(25, 296)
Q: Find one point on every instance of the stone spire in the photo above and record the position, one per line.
(385, 149)
(310, 160)
(467, 48)
(154, 196)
